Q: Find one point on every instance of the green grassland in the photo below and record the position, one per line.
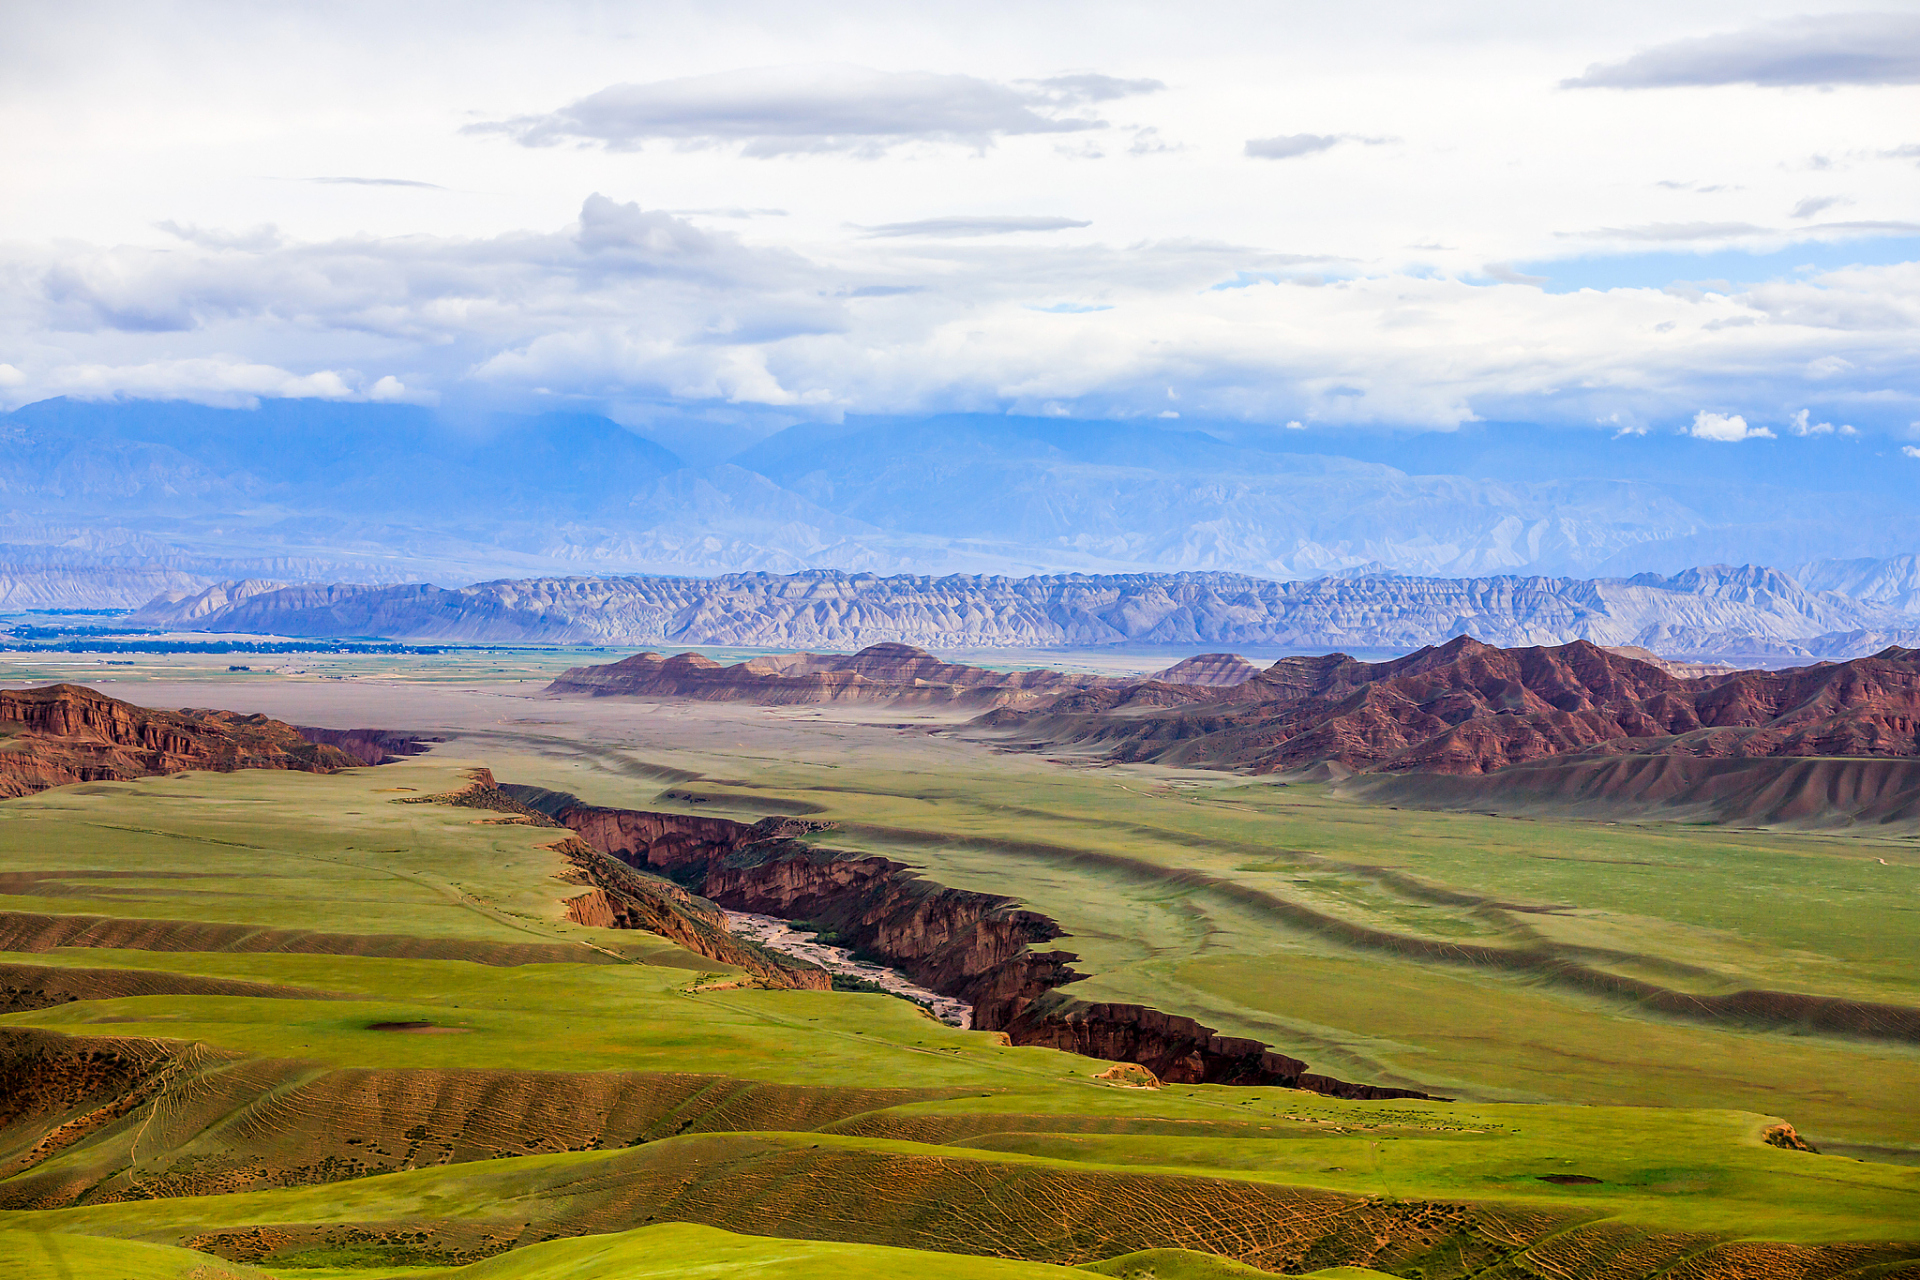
(1225, 900)
(822, 1129)
(846, 1125)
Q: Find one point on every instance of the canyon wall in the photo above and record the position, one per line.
(67, 733)
(975, 947)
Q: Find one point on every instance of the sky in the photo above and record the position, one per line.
(1686, 218)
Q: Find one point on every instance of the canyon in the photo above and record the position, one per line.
(980, 949)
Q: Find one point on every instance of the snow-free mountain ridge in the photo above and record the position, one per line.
(1750, 612)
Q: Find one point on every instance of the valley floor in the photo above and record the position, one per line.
(579, 1082)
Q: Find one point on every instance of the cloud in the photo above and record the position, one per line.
(1505, 274)
(1725, 428)
(1910, 451)
(1289, 145)
(626, 305)
(1669, 231)
(1815, 204)
(1869, 228)
(965, 227)
(264, 236)
(220, 382)
(1825, 50)
(798, 110)
(1800, 426)
(376, 182)
(1086, 87)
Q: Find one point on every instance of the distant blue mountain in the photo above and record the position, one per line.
(309, 490)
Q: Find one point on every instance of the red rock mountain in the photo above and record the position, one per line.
(1469, 708)
(68, 733)
(1459, 708)
(897, 673)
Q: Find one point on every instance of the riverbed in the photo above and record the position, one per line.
(777, 935)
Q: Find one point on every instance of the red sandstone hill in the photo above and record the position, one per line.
(897, 673)
(1469, 708)
(68, 733)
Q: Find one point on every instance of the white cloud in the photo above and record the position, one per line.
(1823, 50)
(376, 182)
(1289, 145)
(794, 110)
(1816, 204)
(1726, 428)
(1670, 231)
(1801, 425)
(634, 305)
(1505, 274)
(966, 227)
(223, 383)
(1910, 451)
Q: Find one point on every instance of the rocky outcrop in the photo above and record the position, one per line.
(369, 746)
(1469, 708)
(893, 673)
(975, 947)
(66, 733)
(620, 896)
(1712, 610)
(1222, 670)
(623, 898)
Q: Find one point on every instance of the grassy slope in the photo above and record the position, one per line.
(1105, 852)
(316, 853)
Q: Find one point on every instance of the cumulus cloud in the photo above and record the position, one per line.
(963, 227)
(783, 111)
(1910, 451)
(1799, 423)
(220, 382)
(1725, 428)
(264, 236)
(1824, 50)
(632, 305)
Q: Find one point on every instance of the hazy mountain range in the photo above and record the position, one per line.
(1748, 614)
(103, 505)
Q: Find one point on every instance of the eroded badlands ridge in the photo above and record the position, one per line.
(1460, 708)
(1719, 610)
(1468, 708)
(893, 673)
(67, 733)
(978, 948)
(1573, 724)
